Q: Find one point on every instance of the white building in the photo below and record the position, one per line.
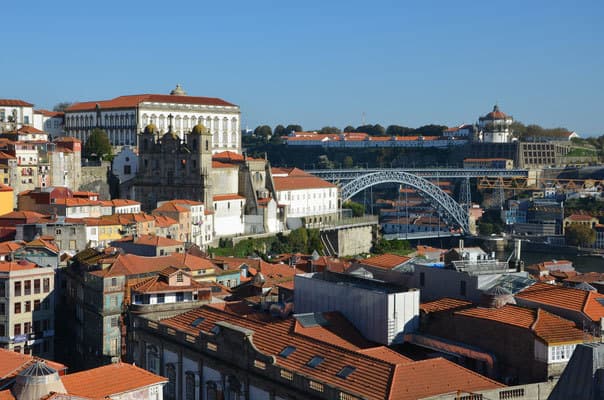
(120, 206)
(125, 164)
(50, 122)
(14, 114)
(380, 312)
(229, 212)
(308, 200)
(125, 116)
(495, 126)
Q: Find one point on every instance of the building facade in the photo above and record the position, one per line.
(125, 116)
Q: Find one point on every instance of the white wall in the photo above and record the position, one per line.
(228, 217)
(126, 157)
(309, 201)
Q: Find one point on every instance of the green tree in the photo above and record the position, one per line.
(349, 128)
(97, 145)
(62, 106)
(358, 210)
(348, 162)
(397, 130)
(314, 241)
(280, 131)
(264, 132)
(330, 130)
(293, 127)
(298, 240)
(372, 130)
(580, 235)
(430, 130)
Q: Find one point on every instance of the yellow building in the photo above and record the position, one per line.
(6, 199)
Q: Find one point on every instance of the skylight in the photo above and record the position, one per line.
(315, 361)
(197, 321)
(344, 372)
(287, 351)
(215, 330)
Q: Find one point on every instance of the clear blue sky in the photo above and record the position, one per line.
(319, 63)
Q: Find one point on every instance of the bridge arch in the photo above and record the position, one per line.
(453, 209)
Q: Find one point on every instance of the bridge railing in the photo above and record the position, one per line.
(364, 220)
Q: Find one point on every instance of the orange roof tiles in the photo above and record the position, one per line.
(6, 395)
(119, 203)
(225, 197)
(15, 102)
(109, 380)
(548, 327)
(376, 375)
(157, 241)
(162, 221)
(580, 217)
(386, 261)
(131, 101)
(48, 113)
(9, 247)
(386, 354)
(131, 264)
(47, 244)
(444, 304)
(565, 298)
(297, 179)
(21, 265)
(28, 129)
(435, 376)
(171, 207)
(12, 363)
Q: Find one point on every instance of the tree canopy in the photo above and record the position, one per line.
(293, 127)
(372, 130)
(263, 131)
(62, 106)
(358, 210)
(580, 235)
(330, 130)
(97, 145)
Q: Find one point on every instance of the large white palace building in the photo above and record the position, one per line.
(125, 116)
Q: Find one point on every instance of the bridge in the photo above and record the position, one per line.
(353, 181)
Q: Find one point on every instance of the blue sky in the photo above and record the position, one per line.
(319, 63)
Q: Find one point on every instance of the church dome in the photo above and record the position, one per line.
(199, 129)
(150, 129)
(178, 91)
(36, 381)
(496, 114)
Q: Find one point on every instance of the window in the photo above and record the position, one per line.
(2, 288)
(2, 330)
(345, 372)
(17, 308)
(46, 285)
(36, 286)
(287, 351)
(114, 322)
(17, 329)
(27, 327)
(161, 298)
(190, 385)
(316, 386)
(315, 361)
(27, 288)
(113, 281)
(179, 277)
(127, 169)
(36, 305)
(171, 385)
(27, 306)
(17, 288)
(2, 309)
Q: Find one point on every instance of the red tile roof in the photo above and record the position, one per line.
(131, 101)
(21, 265)
(171, 207)
(109, 380)
(119, 203)
(28, 129)
(444, 304)
(377, 375)
(580, 217)
(161, 221)
(225, 197)
(385, 261)
(12, 363)
(297, 179)
(157, 241)
(9, 247)
(48, 113)
(14, 102)
(6, 395)
(548, 327)
(131, 264)
(565, 298)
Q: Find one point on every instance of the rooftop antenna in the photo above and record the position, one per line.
(363, 118)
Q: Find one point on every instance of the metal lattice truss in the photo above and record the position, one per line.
(560, 184)
(457, 213)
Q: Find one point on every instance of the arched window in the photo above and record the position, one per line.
(207, 145)
(190, 386)
(153, 359)
(171, 385)
(234, 389)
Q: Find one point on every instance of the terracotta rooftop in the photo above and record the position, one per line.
(131, 101)
(159, 283)
(161, 221)
(119, 203)
(12, 363)
(376, 375)
(297, 179)
(15, 102)
(580, 217)
(9, 247)
(548, 327)
(588, 303)
(171, 207)
(225, 197)
(109, 380)
(48, 113)
(444, 304)
(385, 261)
(157, 241)
(28, 129)
(21, 265)
(131, 264)
(47, 244)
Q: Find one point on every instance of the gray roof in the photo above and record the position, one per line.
(582, 377)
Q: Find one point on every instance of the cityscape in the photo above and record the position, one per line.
(169, 230)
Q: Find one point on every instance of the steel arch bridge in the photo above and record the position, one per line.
(452, 209)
